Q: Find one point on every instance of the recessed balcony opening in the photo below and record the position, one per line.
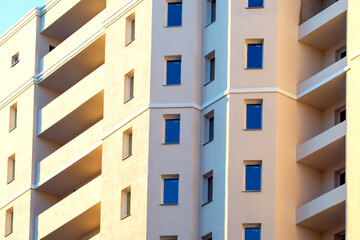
(310, 8)
(59, 24)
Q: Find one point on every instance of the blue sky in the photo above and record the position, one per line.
(12, 10)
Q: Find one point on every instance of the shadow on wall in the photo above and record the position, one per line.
(310, 8)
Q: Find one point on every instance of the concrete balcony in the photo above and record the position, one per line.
(325, 149)
(65, 69)
(325, 28)
(72, 164)
(324, 212)
(74, 111)
(326, 87)
(66, 16)
(80, 37)
(74, 216)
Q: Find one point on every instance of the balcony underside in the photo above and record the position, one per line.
(326, 28)
(77, 227)
(87, 167)
(324, 150)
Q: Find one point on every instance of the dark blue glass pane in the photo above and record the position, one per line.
(171, 191)
(253, 116)
(256, 3)
(174, 14)
(255, 56)
(173, 72)
(252, 233)
(253, 178)
(172, 131)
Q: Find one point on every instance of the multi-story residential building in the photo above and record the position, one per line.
(202, 119)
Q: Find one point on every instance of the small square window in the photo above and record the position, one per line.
(174, 237)
(208, 180)
(207, 237)
(15, 59)
(173, 70)
(129, 86)
(170, 187)
(340, 236)
(126, 202)
(11, 169)
(255, 3)
(252, 232)
(209, 124)
(340, 177)
(13, 117)
(172, 129)
(340, 115)
(340, 53)
(254, 53)
(9, 224)
(174, 13)
(127, 143)
(252, 174)
(130, 29)
(253, 114)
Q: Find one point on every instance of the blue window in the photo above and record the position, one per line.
(255, 55)
(254, 116)
(172, 130)
(171, 191)
(256, 3)
(253, 178)
(174, 14)
(252, 233)
(212, 13)
(173, 72)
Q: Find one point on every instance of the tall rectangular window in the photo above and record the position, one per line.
(126, 202)
(127, 143)
(11, 169)
(253, 114)
(130, 29)
(170, 189)
(208, 187)
(129, 86)
(212, 10)
(252, 233)
(252, 175)
(210, 68)
(13, 117)
(255, 3)
(173, 70)
(209, 126)
(340, 53)
(254, 53)
(340, 115)
(172, 129)
(174, 13)
(340, 177)
(9, 222)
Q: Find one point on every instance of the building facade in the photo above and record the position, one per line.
(181, 119)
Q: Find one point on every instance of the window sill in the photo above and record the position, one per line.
(251, 190)
(206, 203)
(9, 233)
(127, 44)
(210, 23)
(125, 217)
(128, 156)
(253, 68)
(169, 85)
(13, 64)
(170, 143)
(208, 82)
(169, 204)
(128, 100)
(177, 26)
(208, 142)
(260, 7)
(11, 181)
(245, 129)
